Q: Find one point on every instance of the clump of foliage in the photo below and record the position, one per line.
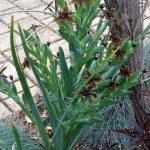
(75, 97)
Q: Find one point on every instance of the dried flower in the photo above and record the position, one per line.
(112, 85)
(25, 64)
(64, 16)
(87, 93)
(119, 54)
(124, 71)
(34, 27)
(87, 90)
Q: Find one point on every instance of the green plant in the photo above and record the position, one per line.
(115, 117)
(94, 77)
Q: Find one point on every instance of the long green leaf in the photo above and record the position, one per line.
(51, 112)
(65, 73)
(17, 137)
(28, 96)
(100, 30)
(73, 137)
(61, 3)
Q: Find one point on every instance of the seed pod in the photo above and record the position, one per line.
(109, 63)
(105, 43)
(57, 54)
(11, 77)
(48, 43)
(25, 64)
(96, 56)
(134, 45)
(102, 6)
(144, 71)
(143, 38)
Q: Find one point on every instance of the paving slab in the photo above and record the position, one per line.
(13, 107)
(4, 111)
(48, 35)
(40, 16)
(3, 28)
(17, 16)
(4, 4)
(26, 4)
(5, 41)
(52, 25)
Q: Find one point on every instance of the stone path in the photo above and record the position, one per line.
(26, 20)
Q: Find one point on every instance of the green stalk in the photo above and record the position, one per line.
(50, 108)
(17, 137)
(28, 97)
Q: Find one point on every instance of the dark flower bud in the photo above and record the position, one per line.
(105, 43)
(144, 71)
(134, 45)
(57, 54)
(48, 43)
(96, 56)
(143, 38)
(11, 77)
(109, 63)
(102, 6)
(89, 32)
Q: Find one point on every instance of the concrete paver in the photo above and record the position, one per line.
(3, 111)
(48, 35)
(26, 4)
(40, 16)
(3, 28)
(5, 5)
(17, 16)
(53, 25)
(5, 41)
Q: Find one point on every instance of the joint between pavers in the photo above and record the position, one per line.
(4, 99)
(4, 32)
(37, 20)
(52, 42)
(28, 76)
(8, 26)
(6, 105)
(9, 7)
